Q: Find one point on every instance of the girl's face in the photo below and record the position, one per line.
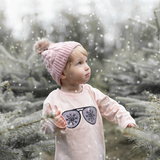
(78, 71)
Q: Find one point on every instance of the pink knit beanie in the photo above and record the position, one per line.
(55, 55)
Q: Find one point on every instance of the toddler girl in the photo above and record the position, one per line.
(73, 113)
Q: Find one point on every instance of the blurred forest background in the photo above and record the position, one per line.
(123, 43)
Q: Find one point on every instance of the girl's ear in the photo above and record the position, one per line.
(63, 76)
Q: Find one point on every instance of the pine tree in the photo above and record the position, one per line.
(131, 77)
(24, 82)
(20, 137)
(25, 72)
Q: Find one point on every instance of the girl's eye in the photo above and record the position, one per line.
(79, 63)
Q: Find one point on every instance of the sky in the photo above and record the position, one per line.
(109, 11)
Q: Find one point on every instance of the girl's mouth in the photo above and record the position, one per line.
(87, 75)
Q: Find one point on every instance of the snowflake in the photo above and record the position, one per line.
(71, 119)
(90, 115)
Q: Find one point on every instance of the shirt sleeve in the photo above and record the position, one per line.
(47, 125)
(111, 110)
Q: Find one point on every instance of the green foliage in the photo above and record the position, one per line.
(148, 119)
(130, 72)
(25, 72)
(20, 137)
(24, 82)
(126, 76)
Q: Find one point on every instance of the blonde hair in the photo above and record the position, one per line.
(79, 50)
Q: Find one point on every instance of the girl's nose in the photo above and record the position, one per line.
(86, 67)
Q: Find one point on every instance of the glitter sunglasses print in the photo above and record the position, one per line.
(73, 117)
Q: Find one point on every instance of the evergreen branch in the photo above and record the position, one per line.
(143, 23)
(156, 12)
(150, 81)
(149, 137)
(9, 115)
(44, 82)
(135, 65)
(21, 122)
(125, 90)
(11, 106)
(27, 97)
(157, 41)
(142, 120)
(115, 62)
(2, 49)
(127, 100)
(115, 77)
(33, 83)
(141, 104)
(21, 131)
(18, 138)
(41, 146)
(31, 58)
(32, 138)
(38, 66)
(126, 77)
(7, 152)
(136, 107)
(141, 114)
(17, 79)
(149, 50)
(4, 84)
(37, 89)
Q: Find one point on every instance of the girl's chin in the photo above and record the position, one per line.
(82, 82)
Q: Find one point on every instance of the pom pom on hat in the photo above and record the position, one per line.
(55, 55)
(41, 45)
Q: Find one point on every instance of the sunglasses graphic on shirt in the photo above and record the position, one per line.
(73, 117)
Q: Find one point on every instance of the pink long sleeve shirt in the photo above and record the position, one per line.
(83, 138)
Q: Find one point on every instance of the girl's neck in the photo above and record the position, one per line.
(72, 89)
